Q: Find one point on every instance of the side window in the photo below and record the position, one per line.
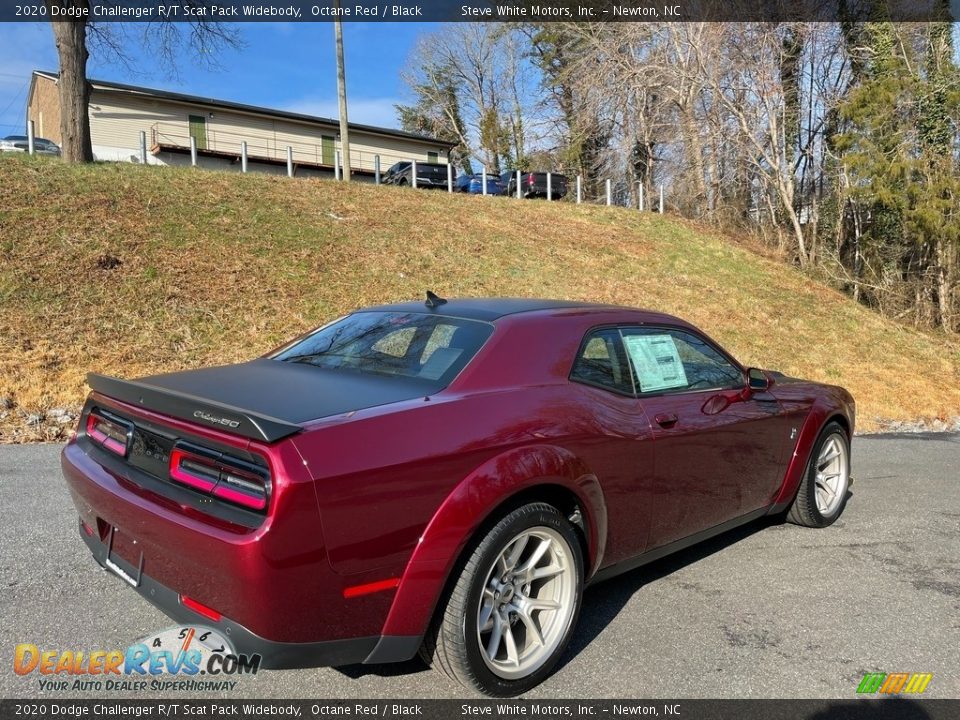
(665, 359)
(601, 362)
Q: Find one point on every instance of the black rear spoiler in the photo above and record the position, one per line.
(193, 409)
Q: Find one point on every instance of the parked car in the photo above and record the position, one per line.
(474, 184)
(21, 143)
(429, 175)
(442, 477)
(534, 184)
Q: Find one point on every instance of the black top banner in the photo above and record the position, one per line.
(478, 10)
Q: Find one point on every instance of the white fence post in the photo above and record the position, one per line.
(549, 186)
(413, 173)
(483, 181)
(518, 184)
(143, 147)
(30, 137)
(243, 156)
(640, 196)
(609, 195)
(193, 151)
(661, 198)
(289, 161)
(336, 166)
(579, 189)
(449, 177)
(376, 169)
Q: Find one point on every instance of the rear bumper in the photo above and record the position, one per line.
(275, 655)
(272, 586)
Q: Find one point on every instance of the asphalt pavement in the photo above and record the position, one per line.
(769, 610)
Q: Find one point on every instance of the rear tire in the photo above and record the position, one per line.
(822, 495)
(514, 605)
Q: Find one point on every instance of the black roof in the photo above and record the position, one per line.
(484, 308)
(228, 105)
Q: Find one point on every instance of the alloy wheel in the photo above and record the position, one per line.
(832, 474)
(527, 603)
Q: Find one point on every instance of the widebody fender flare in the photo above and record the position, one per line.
(821, 412)
(472, 503)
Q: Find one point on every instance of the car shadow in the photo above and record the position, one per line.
(893, 708)
(410, 667)
(603, 601)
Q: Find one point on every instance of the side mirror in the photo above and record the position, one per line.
(758, 380)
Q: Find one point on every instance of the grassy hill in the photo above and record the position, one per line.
(133, 270)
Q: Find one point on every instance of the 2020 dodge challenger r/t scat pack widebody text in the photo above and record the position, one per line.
(442, 477)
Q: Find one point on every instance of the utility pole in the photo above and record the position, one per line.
(342, 97)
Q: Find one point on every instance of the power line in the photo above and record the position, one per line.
(15, 98)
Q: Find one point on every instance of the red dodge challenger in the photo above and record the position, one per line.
(442, 477)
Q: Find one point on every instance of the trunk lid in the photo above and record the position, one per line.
(262, 399)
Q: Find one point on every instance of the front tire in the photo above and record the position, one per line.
(822, 495)
(514, 606)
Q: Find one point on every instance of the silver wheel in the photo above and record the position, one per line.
(527, 604)
(832, 474)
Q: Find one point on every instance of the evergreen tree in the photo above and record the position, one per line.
(898, 150)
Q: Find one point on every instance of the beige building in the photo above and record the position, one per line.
(118, 114)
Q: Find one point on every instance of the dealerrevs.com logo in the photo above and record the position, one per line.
(187, 658)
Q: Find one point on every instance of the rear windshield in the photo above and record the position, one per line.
(412, 345)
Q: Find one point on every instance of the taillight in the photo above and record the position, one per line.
(185, 468)
(242, 489)
(109, 432)
(222, 476)
(530, 179)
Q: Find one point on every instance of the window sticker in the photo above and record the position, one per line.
(657, 362)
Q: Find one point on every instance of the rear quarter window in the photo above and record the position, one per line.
(600, 362)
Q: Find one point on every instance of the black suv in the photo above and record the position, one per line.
(534, 184)
(429, 175)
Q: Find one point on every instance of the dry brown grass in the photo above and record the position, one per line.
(218, 267)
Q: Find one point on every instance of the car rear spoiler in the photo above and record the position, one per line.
(220, 416)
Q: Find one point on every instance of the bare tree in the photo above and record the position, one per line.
(476, 74)
(75, 38)
(745, 80)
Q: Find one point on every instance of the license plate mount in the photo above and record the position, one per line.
(131, 579)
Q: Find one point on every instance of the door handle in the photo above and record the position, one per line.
(666, 420)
